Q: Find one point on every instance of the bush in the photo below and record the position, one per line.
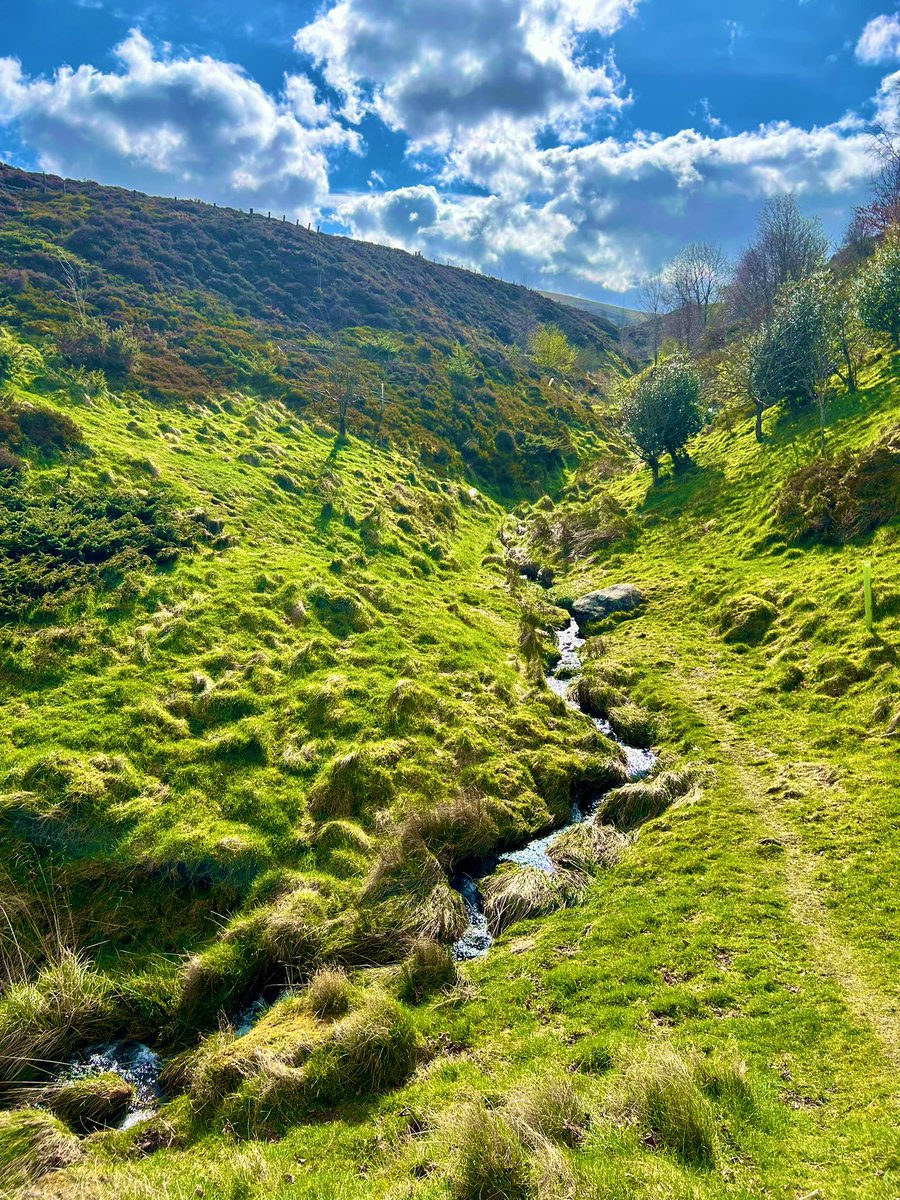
(834, 500)
(877, 290)
(89, 342)
(662, 411)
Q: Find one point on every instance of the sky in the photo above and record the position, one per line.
(570, 145)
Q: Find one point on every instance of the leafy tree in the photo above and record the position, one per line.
(788, 247)
(552, 350)
(878, 290)
(794, 353)
(662, 412)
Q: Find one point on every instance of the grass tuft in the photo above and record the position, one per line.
(660, 1093)
(429, 968)
(32, 1144)
(329, 993)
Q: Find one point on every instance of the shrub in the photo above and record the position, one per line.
(662, 411)
(32, 1144)
(90, 342)
(429, 968)
(329, 993)
(552, 350)
(877, 290)
(835, 500)
(660, 1094)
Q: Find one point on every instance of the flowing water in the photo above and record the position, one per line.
(476, 940)
(140, 1066)
(135, 1062)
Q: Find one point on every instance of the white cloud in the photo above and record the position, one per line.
(606, 213)
(879, 42)
(192, 126)
(436, 70)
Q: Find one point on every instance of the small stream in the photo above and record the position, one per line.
(476, 940)
(140, 1066)
(136, 1063)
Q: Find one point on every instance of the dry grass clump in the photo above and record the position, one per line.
(633, 724)
(410, 881)
(518, 893)
(513, 1152)
(635, 803)
(40, 1022)
(89, 1104)
(660, 1092)
(553, 1109)
(461, 830)
(32, 1144)
(586, 847)
(429, 968)
(329, 993)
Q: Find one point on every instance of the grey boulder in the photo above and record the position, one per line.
(621, 597)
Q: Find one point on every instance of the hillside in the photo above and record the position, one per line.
(329, 869)
(618, 315)
(221, 299)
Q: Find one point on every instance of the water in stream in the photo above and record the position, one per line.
(476, 939)
(136, 1063)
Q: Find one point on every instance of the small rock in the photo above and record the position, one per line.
(621, 597)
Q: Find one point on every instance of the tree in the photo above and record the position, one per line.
(794, 353)
(788, 247)
(654, 295)
(662, 412)
(343, 392)
(882, 213)
(552, 350)
(695, 279)
(877, 290)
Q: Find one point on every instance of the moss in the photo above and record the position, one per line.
(34, 1144)
(745, 618)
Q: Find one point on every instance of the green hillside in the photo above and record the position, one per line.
(269, 695)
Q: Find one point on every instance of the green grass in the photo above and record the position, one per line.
(285, 744)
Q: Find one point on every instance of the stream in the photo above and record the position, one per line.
(140, 1066)
(476, 940)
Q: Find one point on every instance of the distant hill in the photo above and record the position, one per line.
(616, 314)
(224, 299)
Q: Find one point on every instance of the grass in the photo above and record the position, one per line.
(722, 1002)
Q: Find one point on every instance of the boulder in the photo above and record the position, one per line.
(621, 597)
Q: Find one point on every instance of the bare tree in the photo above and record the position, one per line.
(654, 297)
(788, 247)
(882, 213)
(343, 391)
(697, 277)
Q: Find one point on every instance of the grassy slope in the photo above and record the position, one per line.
(759, 914)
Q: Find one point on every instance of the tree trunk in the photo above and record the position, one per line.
(758, 431)
(654, 467)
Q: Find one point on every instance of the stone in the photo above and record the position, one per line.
(621, 597)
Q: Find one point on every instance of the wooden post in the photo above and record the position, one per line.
(867, 596)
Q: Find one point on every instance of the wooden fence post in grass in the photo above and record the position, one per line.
(867, 594)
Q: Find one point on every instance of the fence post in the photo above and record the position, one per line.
(867, 595)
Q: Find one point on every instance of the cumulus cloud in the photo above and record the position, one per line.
(436, 70)
(879, 42)
(604, 214)
(193, 126)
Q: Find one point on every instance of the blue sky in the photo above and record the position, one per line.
(568, 144)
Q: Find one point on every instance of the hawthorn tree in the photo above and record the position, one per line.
(877, 290)
(662, 411)
(551, 349)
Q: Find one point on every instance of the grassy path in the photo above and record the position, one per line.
(835, 959)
